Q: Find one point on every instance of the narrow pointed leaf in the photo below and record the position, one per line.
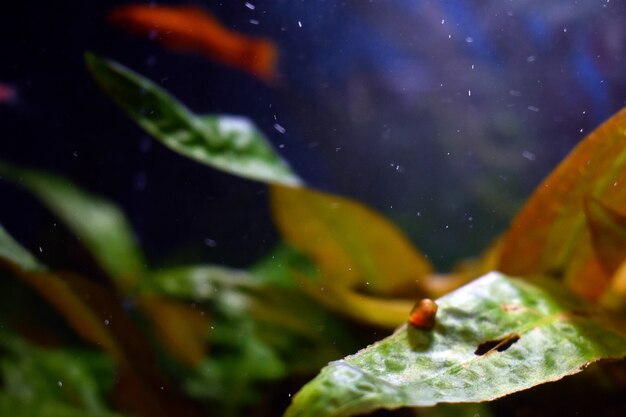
(351, 245)
(231, 144)
(12, 251)
(100, 225)
(542, 239)
(492, 337)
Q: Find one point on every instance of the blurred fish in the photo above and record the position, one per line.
(193, 29)
(8, 94)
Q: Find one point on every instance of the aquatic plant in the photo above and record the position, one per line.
(544, 302)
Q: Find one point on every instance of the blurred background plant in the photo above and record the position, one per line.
(442, 115)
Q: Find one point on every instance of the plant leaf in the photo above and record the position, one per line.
(58, 293)
(14, 252)
(543, 238)
(492, 337)
(87, 307)
(229, 143)
(378, 311)
(99, 224)
(79, 380)
(181, 329)
(608, 233)
(351, 244)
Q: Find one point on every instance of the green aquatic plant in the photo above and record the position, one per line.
(217, 338)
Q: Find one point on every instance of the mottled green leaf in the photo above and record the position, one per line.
(100, 225)
(229, 143)
(492, 337)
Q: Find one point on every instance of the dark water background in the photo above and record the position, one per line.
(444, 115)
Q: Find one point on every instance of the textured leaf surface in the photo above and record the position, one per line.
(99, 224)
(546, 236)
(536, 334)
(231, 144)
(352, 245)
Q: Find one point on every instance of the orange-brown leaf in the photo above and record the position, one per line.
(180, 328)
(544, 237)
(608, 233)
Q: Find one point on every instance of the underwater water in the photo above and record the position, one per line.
(441, 115)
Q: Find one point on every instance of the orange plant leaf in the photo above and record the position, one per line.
(352, 245)
(180, 328)
(608, 233)
(544, 237)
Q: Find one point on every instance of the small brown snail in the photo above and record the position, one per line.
(423, 314)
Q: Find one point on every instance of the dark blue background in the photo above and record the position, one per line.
(442, 114)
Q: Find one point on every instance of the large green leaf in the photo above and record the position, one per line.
(98, 223)
(493, 337)
(229, 143)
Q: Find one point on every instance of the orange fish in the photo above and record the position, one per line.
(192, 29)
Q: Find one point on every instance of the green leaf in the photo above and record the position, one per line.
(197, 282)
(278, 266)
(46, 382)
(99, 224)
(536, 334)
(241, 293)
(12, 251)
(229, 143)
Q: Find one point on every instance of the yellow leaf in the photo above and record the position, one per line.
(383, 312)
(349, 243)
